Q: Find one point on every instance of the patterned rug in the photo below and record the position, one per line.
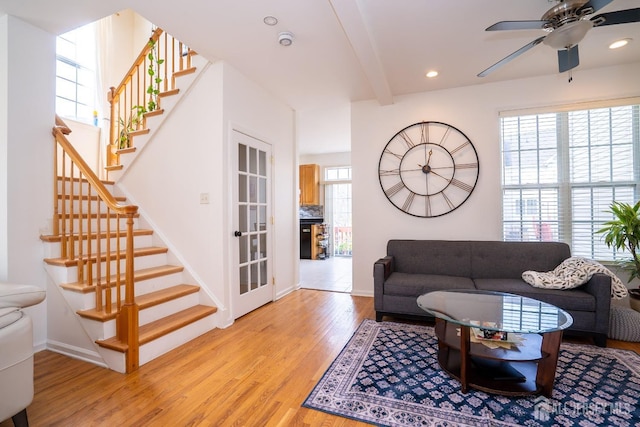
(388, 375)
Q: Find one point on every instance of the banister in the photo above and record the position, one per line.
(93, 179)
(127, 322)
(139, 91)
(139, 60)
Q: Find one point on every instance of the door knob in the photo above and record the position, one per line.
(237, 233)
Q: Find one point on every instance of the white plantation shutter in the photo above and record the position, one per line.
(562, 170)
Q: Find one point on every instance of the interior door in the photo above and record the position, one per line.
(253, 284)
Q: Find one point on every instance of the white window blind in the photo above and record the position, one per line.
(562, 171)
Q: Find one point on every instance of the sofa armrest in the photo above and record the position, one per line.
(386, 264)
(382, 268)
(600, 287)
(20, 296)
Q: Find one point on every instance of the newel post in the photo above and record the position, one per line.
(127, 320)
(113, 123)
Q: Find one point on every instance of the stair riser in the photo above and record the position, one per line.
(117, 361)
(52, 249)
(77, 187)
(166, 343)
(101, 330)
(94, 225)
(140, 262)
(77, 205)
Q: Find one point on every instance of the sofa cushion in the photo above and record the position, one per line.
(508, 260)
(431, 257)
(413, 285)
(571, 299)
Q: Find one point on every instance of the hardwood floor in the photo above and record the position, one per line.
(255, 373)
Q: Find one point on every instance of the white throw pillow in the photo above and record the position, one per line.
(571, 273)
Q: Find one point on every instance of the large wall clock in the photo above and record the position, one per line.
(428, 169)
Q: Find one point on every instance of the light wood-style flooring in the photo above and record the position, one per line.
(255, 373)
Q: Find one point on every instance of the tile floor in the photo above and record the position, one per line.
(332, 274)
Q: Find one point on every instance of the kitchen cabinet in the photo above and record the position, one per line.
(309, 184)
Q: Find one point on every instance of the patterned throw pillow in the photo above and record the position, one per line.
(574, 272)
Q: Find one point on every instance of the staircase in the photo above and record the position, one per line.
(130, 295)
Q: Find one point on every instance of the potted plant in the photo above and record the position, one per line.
(623, 233)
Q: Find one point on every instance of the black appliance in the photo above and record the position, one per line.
(305, 236)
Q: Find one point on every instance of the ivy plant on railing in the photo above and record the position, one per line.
(153, 90)
(154, 74)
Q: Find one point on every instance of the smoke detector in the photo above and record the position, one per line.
(285, 38)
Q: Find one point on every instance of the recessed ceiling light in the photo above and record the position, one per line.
(431, 74)
(619, 43)
(270, 20)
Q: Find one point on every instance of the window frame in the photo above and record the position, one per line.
(566, 187)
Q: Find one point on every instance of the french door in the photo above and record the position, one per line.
(252, 283)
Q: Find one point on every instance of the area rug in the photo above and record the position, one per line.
(388, 375)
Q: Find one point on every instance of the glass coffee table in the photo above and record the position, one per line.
(497, 342)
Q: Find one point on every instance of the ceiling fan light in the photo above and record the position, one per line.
(619, 43)
(568, 35)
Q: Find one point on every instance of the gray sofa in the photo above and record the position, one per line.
(414, 267)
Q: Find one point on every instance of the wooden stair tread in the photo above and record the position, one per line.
(145, 301)
(184, 72)
(113, 168)
(138, 252)
(157, 112)
(123, 233)
(169, 92)
(161, 327)
(138, 275)
(126, 150)
(140, 131)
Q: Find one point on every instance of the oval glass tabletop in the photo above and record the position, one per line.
(495, 311)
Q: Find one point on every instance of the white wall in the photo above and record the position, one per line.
(189, 155)
(85, 138)
(27, 110)
(474, 110)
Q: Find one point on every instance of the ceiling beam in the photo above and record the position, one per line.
(350, 17)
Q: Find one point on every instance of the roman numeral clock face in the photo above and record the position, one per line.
(428, 169)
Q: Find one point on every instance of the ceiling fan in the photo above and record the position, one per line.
(567, 23)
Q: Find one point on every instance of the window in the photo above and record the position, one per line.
(76, 74)
(342, 173)
(561, 171)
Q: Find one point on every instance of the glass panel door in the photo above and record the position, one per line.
(252, 224)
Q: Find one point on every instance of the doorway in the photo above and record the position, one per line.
(334, 272)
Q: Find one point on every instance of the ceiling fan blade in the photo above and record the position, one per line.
(568, 59)
(517, 25)
(515, 54)
(618, 17)
(595, 4)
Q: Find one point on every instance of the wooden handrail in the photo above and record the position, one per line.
(131, 99)
(139, 60)
(73, 208)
